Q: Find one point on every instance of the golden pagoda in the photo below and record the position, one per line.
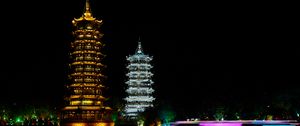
(84, 100)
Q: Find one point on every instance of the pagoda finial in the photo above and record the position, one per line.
(87, 12)
(139, 50)
(87, 6)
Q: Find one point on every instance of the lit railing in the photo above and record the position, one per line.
(85, 51)
(75, 102)
(89, 80)
(90, 73)
(88, 35)
(71, 107)
(88, 58)
(78, 80)
(78, 69)
(90, 107)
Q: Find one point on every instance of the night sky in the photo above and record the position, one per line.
(204, 53)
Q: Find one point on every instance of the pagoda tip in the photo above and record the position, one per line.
(139, 49)
(87, 6)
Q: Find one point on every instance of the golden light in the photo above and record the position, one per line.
(85, 85)
(90, 124)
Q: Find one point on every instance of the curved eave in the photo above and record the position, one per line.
(107, 108)
(86, 85)
(82, 108)
(88, 74)
(139, 57)
(86, 19)
(85, 107)
(98, 97)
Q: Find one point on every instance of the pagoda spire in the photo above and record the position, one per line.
(87, 14)
(139, 49)
(87, 10)
(87, 6)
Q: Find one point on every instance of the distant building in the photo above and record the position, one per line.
(139, 83)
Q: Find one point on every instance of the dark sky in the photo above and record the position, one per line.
(203, 52)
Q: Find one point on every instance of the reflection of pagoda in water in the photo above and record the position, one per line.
(84, 99)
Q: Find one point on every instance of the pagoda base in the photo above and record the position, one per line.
(87, 123)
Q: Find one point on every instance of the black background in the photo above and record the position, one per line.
(204, 53)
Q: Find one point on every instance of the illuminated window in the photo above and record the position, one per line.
(88, 47)
(87, 102)
(88, 35)
(89, 27)
(75, 102)
(78, 47)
